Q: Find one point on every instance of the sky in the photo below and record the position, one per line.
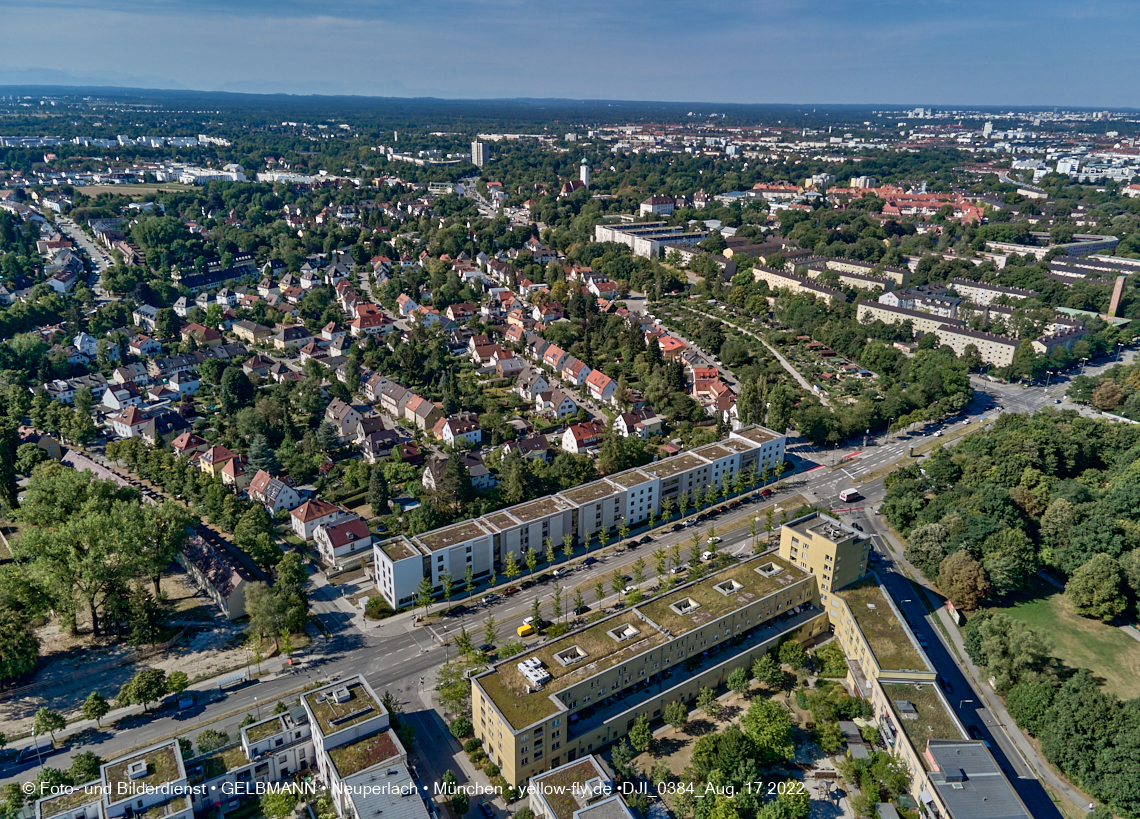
(921, 52)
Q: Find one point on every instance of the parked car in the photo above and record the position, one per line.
(589, 561)
(511, 590)
(490, 598)
(646, 539)
(974, 731)
(946, 686)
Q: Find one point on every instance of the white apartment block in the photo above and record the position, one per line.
(584, 512)
(647, 239)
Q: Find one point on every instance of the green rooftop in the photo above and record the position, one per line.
(588, 492)
(162, 766)
(217, 763)
(82, 795)
(398, 548)
(887, 637)
(334, 716)
(264, 730)
(632, 477)
(449, 536)
(535, 509)
(931, 719)
(563, 788)
(750, 586)
(176, 804)
(354, 757)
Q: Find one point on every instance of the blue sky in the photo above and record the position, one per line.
(936, 52)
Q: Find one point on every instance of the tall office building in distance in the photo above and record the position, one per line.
(477, 154)
(584, 173)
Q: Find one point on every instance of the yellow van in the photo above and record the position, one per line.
(525, 630)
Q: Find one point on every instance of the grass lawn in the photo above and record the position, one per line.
(1112, 655)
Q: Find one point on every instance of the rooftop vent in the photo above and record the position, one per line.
(571, 655)
(684, 606)
(769, 569)
(906, 709)
(623, 633)
(137, 769)
(341, 695)
(728, 587)
(534, 672)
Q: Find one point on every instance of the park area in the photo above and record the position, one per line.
(1110, 653)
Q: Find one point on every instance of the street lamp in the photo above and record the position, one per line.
(962, 703)
(1083, 360)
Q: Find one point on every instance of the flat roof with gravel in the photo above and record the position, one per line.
(714, 452)
(632, 477)
(675, 465)
(538, 508)
(757, 435)
(332, 716)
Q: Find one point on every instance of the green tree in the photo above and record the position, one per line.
(1029, 704)
(769, 725)
(47, 721)
(536, 612)
(708, 703)
(599, 593)
(677, 715)
(489, 633)
(147, 686)
(278, 803)
(423, 595)
(148, 621)
(623, 529)
(1008, 649)
(448, 583)
(211, 740)
(926, 547)
(621, 757)
(550, 556)
(19, 646)
(95, 707)
(511, 567)
(1096, 589)
(793, 654)
(768, 671)
(579, 601)
(738, 681)
(378, 490)
(235, 391)
(640, 735)
(963, 580)
(177, 682)
(469, 581)
(531, 561)
(85, 767)
(568, 546)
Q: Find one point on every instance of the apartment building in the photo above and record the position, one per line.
(781, 280)
(567, 698)
(920, 322)
(995, 350)
(813, 269)
(899, 275)
(647, 239)
(984, 293)
(585, 512)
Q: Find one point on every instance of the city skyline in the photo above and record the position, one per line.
(961, 53)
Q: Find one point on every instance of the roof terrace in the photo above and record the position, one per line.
(161, 765)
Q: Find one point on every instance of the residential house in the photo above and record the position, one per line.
(86, 344)
(530, 383)
(394, 398)
(273, 493)
(405, 305)
(482, 478)
(378, 444)
(120, 396)
(217, 573)
(600, 386)
(555, 404)
(291, 337)
(162, 427)
(204, 336)
(134, 373)
(641, 422)
(370, 321)
(145, 316)
(579, 437)
(507, 364)
(213, 459)
(463, 427)
(531, 447)
(553, 357)
(312, 513)
(186, 383)
(251, 331)
(574, 371)
(259, 365)
(341, 541)
(188, 443)
(343, 416)
(127, 423)
(143, 346)
(421, 412)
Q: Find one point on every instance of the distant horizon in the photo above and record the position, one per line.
(752, 52)
(714, 107)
